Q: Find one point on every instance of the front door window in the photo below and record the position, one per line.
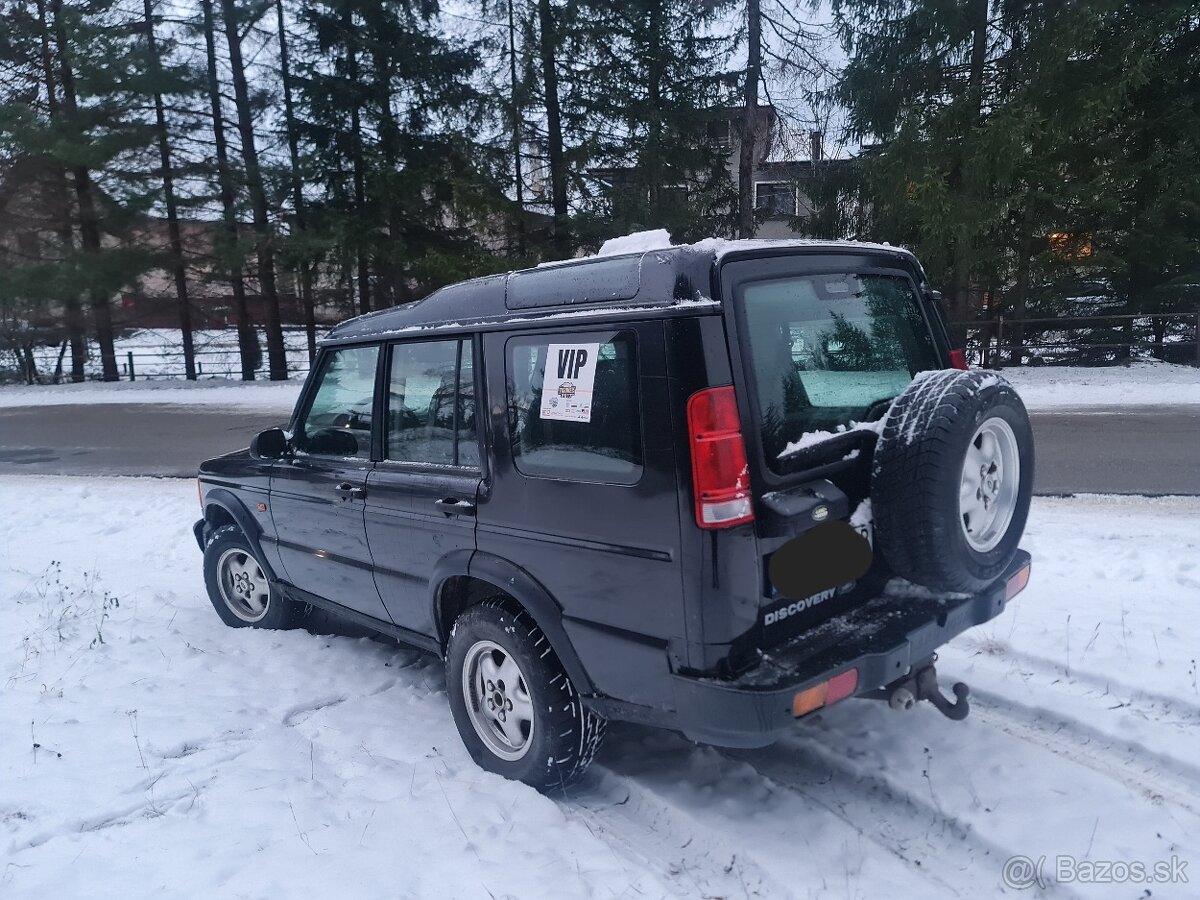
(338, 420)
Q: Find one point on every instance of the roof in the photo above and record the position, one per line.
(672, 280)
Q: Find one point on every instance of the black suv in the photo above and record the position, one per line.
(712, 488)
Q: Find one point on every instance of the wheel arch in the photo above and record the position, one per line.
(458, 586)
(223, 507)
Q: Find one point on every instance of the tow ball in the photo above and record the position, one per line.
(922, 684)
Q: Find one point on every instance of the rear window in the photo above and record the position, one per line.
(573, 407)
(830, 349)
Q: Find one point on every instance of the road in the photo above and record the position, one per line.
(1127, 450)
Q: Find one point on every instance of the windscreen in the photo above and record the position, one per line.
(827, 350)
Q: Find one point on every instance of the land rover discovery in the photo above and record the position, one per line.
(714, 488)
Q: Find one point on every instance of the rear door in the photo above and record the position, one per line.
(582, 491)
(317, 496)
(822, 342)
(421, 497)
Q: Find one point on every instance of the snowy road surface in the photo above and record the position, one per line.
(148, 751)
(1077, 452)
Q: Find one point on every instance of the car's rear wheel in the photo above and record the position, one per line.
(514, 705)
(952, 479)
(238, 586)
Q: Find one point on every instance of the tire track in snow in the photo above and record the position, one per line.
(931, 842)
(1159, 778)
(635, 823)
(665, 784)
(1185, 711)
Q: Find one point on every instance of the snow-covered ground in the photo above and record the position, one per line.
(1147, 383)
(219, 392)
(147, 750)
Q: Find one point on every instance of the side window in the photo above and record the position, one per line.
(431, 404)
(573, 407)
(338, 421)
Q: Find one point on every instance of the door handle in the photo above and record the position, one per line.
(348, 491)
(452, 507)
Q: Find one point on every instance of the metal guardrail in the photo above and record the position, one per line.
(1083, 340)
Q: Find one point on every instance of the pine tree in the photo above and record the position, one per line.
(227, 249)
(87, 120)
(161, 85)
(256, 187)
(1002, 124)
(301, 252)
(650, 73)
(389, 109)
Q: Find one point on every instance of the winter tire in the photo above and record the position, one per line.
(951, 480)
(239, 588)
(515, 707)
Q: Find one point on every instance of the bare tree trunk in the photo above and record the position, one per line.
(289, 118)
(960, 295)
(362, 264)
(276, 354)
(554, 138)
(89, 224)
(518, 177)
(1158, 330)
(66, 232)
(389, 147)
(168, 181)
(248, 349)
(745, 220)
(58, 366)
(651, 164)
(1020, 294)
(28, 363)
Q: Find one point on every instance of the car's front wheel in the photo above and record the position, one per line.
(515, 706)
(238, 587)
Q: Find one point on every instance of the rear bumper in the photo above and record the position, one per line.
(883, 639)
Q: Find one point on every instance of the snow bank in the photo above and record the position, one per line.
(148, 751)
(271, 396)
(1149, 383)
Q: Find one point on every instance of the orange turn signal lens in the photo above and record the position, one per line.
(839, 687)
(1017, 583)
(808, 700)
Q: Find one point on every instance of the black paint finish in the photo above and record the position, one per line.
(654, 619)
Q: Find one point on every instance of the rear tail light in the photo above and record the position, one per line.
(958, 359)
(720, 475)
(839, 687)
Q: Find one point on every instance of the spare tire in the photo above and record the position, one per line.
(951, 480)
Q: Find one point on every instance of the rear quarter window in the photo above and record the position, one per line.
(574, 408)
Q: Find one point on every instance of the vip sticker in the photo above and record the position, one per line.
(568, 381)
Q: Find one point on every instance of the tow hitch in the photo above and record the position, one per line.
(922, 684)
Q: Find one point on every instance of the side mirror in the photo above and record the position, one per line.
(269, 444)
